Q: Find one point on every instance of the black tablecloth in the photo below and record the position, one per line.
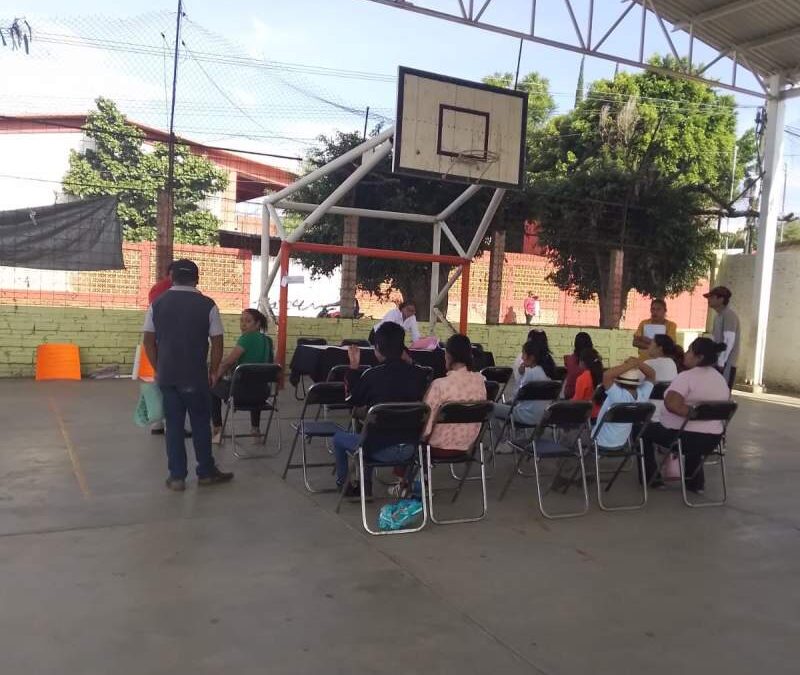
(317, 363)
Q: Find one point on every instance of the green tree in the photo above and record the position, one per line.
(626, 175)
(117, 164)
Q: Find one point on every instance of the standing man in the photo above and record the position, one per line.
(726, 329)
(657, 324)
(177, 329)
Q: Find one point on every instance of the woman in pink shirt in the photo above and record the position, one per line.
(460, 384)
(700, 382)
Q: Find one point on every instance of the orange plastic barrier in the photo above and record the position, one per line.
(58, 362)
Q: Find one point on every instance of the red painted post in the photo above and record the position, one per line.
(462, 326)
(283, 302)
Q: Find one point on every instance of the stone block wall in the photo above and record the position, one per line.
(110, 336)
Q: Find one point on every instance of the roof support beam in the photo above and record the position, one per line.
(771, 39)
(718, 12)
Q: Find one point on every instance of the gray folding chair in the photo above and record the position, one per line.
(568, 420)
(547, 390)
(637, 414)
(659, 389)
(405, 423)
(355, 341)
(320, 394)
(456, 412)
(301, 383)
(706, 411)
(501, 375)
(254, 386)
(492, 394)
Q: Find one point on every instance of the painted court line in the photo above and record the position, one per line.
(77, 470)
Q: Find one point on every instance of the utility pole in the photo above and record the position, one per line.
(166, 198)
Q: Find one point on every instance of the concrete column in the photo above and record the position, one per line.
(767, 228)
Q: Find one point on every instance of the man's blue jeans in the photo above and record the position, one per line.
(345, 444)
(197, 402)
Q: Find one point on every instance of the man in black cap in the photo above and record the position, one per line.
(177, 329)
(726, 329)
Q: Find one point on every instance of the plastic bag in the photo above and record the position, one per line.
(428, 343)
(399, 515)
(150, 407)
(671, 468)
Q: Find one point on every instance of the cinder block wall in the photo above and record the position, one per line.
(110, 336)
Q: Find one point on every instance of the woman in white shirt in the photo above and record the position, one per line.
(661, 358)
(404, 315)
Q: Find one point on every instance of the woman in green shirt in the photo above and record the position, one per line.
(253, 346)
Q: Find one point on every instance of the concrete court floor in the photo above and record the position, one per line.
(104, 571)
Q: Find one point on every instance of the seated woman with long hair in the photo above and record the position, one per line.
(589, 378)
(253, 346)
(572, 362)
(545, 361)
(701, 381)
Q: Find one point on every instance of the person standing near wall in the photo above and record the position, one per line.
(156, 291)
(726, 329)
(529, 308)
(177, 329)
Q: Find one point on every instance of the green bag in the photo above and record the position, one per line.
(150, 407)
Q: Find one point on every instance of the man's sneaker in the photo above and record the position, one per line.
(216, 477)
(176, 484)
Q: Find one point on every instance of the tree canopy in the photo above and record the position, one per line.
(118, 164)
(630, 169)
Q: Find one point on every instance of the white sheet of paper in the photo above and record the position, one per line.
(653, 329)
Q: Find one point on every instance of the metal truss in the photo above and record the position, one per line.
(590, 41)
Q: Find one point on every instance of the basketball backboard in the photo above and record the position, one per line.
(458, 130)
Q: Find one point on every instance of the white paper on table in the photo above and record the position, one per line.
(653, 329)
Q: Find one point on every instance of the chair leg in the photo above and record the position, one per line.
(291, 453)
(454, 521)
(600, 490)
(511, 476)
(305, 466)
(698, 505)
(405, 530)
(224, 423)
(569, 514)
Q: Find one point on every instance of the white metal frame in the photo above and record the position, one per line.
(370, 153)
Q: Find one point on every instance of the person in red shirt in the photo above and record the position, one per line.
(591, 376)
(159, 288)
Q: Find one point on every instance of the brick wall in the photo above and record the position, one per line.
(110, 336)
(224, 274)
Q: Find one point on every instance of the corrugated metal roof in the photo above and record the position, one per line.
(764, 34)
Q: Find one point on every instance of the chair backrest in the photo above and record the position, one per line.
(405, 422)
(492, 390)
(254, 383)
(325, 393)
(338, 373)
(559, 373)
(566, 414)
(428, 372)
(501, 374)
(716, 411)
(638, 412)
(659, 389)
(311, 341)
(464, 412)
(547, 390)
(354, 341)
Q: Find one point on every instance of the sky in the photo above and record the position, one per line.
(282, 109)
